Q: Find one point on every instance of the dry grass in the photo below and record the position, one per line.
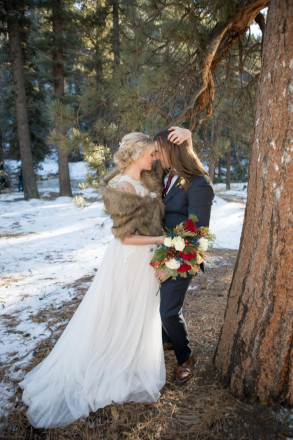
(17, 234)
(201, 409)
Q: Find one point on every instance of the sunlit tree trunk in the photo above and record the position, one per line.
(29, 181)
(255, 351)
(64, 177)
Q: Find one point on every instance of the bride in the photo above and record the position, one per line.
(111, 350)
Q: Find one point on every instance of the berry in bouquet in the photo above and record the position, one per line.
(184, 249)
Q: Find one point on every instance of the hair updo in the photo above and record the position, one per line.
(132, 146)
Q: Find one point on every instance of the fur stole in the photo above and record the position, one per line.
(132, 213)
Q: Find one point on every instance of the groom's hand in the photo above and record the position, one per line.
(178, 135)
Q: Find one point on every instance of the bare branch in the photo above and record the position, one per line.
(222, 38)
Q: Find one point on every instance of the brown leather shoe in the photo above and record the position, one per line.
(185, 371)
(168, 346)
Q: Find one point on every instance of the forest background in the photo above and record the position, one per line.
(75, 76)
(95, 70)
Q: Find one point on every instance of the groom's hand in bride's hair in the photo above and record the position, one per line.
(178, 135)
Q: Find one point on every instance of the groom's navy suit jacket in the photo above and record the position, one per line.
(196, 200)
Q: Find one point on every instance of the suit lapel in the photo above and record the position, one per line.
(171, 192)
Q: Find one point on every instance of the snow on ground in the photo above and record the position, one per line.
(238, 190)
(226, 223)
(46, 245)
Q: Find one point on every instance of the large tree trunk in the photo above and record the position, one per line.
(255, 351)
(228, 170)
(1, 152)
(29, 181)
(3, 181)
(64, 177)
(213, 162)
(213, 159)
(116, 42)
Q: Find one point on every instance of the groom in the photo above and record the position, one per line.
(180, 161)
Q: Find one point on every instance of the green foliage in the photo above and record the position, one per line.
(193, 217)
(79, 201)
(230, 127)
(161, 46)
(223, 9)
(72, 139)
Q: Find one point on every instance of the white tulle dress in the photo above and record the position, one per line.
(111, 350)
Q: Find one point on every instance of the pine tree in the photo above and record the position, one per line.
(98, 113)
(116, 33)
(59, 79)
(227, 133)
(254, 354)
(34, 86)
(30, 186)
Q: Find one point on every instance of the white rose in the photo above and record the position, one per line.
(172, 264)
(168, 241)
(203, 244)
(178, 243)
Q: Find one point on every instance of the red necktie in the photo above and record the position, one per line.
(170, 177)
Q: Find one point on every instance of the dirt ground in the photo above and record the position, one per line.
(200, 409)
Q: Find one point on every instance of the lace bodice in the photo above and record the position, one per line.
(139, 188)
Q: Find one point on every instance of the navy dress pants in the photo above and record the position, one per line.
(174, 326)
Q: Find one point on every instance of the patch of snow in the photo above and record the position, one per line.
(226, 223)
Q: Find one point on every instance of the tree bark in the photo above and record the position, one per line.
(23, 133)
(255, 351)
(259, 19)
(212, 168)
(116, 39)
(228, 170)
(1, 152)
(64, 177)
(213, 159)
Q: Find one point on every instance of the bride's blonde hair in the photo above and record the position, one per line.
(132, 146)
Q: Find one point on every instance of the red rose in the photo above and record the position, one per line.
(187, 256)
(183, 268)
(190, 226)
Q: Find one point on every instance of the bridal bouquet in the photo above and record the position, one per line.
(184, 249)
